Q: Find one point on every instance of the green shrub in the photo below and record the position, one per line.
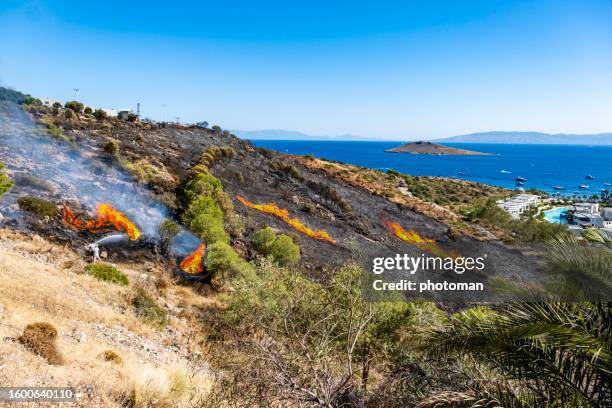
(282, 248)
(223, 261)
(263, 240)
(74, 106)
(169, 229)
(202, 184)
(285, 251)
(147, 310)
(111, 147)
(99, 114)
(107, 273)
(289, 169)
(205, 218)
(5, 182)
(132, 117)
(69, 114)
(88, 110)
(37, 206)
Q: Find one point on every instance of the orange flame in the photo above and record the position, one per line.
(193, 263)
(412, 237)
(107, 218)
(283, 214)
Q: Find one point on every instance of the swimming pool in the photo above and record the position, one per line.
(556, 215)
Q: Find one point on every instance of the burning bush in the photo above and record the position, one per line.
(205, 218)
(282, 248)
(5, 182)
(107, 218)
(108, 273)
(148, 310)
(40, 338)
(38, 206)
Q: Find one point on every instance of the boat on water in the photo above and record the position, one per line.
(583, 186)
(559, 188)
(520, 183)
(520, 179)
(607, 184)
(461, 173)
(589, 177)
(504, 171)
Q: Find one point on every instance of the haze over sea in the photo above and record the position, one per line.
(544, 166)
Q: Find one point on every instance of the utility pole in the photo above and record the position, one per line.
(178, 120)
(76, 94)
(138, 109)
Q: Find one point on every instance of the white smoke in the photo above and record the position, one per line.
(77, 175)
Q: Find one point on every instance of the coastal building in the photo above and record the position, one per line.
(519, 204)
(586, 208)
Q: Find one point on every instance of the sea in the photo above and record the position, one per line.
(543, 166)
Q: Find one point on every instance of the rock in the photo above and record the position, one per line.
(104, 254)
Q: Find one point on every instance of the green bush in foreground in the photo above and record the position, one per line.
(282, 248)
(107, 273)
(37, 206)
(147, 310)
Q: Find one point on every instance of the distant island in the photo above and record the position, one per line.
(432, 148)
(601, 139)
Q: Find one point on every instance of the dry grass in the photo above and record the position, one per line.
(42, 282)
(40, 338)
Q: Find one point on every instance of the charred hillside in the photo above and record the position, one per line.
(160, 158)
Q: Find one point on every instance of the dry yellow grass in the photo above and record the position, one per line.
(42, 282)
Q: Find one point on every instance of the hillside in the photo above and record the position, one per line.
(530, 138)
(231, 275)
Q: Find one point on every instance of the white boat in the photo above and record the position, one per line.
(583, 186)
(505, 171)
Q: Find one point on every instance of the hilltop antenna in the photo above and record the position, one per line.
(76, 94)
(178, 120)
(138, 109)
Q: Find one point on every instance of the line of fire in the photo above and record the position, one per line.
(109, 219)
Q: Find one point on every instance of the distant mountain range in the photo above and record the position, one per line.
(483, 137)
(279, 134)
(530, 138)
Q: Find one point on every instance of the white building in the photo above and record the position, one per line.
(587, 208)
(515, 206)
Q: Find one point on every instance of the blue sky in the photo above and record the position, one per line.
(399, 70)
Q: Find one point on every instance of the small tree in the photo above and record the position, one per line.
(132, 117)
(216, 129)
(88, 110)
(75, 106)
(99, 114)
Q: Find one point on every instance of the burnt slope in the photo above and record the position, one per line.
(353, 216)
